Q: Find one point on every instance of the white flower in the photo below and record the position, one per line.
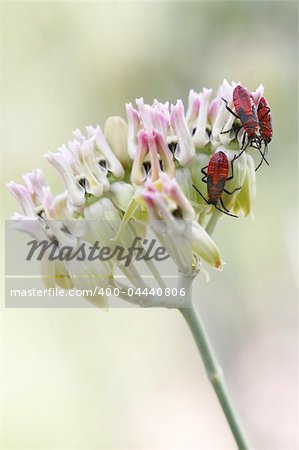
(223, 119)
(71, 173)
(103, 151)
(134, 126)
(193, 109)
(200, 137)
(151, 149)
(185, 150)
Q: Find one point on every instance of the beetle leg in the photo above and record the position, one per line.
(198, 191)
(232, 192)
(254, 146)
(203, 170)
(232, 165)
(243, 142)
(225, 210)
(229, 109)
(223, 206)
(263, 157)
(236, 137)
(227, 131)
(263, 153)
(233, 129)
(204, 178)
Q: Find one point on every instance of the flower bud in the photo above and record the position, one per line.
(116, 134)
(246, 197)
(121, 194)
(204, 246)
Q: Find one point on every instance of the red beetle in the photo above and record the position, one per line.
(216, 176)
(246, 112)
(265, 121)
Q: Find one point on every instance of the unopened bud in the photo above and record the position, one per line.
(116, 134)
(246, 197)
(204, 247)
(121, 194)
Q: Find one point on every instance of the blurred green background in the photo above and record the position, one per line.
(132, 378)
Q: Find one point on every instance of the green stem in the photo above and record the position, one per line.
(213, 222)
(214, 373)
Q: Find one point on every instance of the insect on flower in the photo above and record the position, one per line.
(247, 113)
(265, 124)
(216, 176)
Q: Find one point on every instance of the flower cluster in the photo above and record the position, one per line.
(139, 173)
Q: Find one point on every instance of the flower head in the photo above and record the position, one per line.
(152, 171)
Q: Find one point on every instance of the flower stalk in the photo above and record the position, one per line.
(214, 373)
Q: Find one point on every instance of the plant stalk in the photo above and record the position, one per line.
(215, 374)
(213, 222)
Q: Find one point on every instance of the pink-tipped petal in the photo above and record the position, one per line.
(200, 137)
(138, 174)
(258, 94)
(185, 150)
(134, 126)
(23, 197)
(66, 165)
(193, 109)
